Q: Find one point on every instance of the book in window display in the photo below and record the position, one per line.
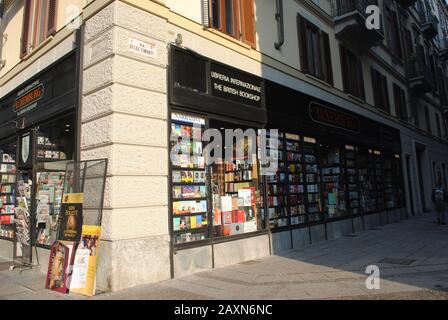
(189, 189)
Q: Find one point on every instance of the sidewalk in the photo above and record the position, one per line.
(416, 267)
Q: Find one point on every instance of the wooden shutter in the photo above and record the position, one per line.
(51, 18)
(25, 42)
(344, 67)
(360, 80)
(385, 94)
(374, 77)
(326, 57)
(248, 22)
(303, 43)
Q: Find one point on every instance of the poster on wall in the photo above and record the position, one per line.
(85, 264)
(71, 220)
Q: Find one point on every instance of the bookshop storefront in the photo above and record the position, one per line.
(37, 136)
(336, 173)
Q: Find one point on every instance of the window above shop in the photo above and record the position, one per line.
(235, 18)
(352, 74)
(380, 90)
(314, 47)
(39, 23)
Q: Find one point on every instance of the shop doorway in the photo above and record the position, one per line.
(420, 151)
(410, 189)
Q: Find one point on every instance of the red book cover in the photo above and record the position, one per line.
(241, 216)
(60, 266)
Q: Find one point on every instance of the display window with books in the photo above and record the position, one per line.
(393, 190)
(54, 147)
(333, 186)
(276, 183)
(8, 176)
(189, 179)
(236, 186)
(351, 178)
(312, 179)
(295, 170)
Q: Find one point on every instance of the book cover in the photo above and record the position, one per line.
(199, 222)
(71, 217)
(60, 266)
(176, 224)
(85, 262)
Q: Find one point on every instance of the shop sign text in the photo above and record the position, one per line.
(27, 98)
(232, 85)
(332, 117)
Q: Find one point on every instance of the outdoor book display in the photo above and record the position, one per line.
(73, 257)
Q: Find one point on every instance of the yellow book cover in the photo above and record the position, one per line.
(84, 268)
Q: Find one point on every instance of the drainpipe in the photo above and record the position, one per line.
(280, 24)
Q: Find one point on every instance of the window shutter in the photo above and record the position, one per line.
(205, 13)
(385, 95)
(303, 43)
(248, 22)
(326, 52)
(360, 80)
(374, 87)
(51, 18)
(344, 68)
(24, 46)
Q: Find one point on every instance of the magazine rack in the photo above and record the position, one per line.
(23, 241)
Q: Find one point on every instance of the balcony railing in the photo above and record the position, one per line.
(406, 3)
(429, 23)
(420, 76)
(341, 7)
(350, 19)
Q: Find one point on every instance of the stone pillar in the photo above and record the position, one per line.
(124, 119)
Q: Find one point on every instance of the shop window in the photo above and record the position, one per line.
(223, 197)
(370, 177)
(315, 55)
(236, 187)
(7, 186)
(189, 71)
(333, 189)
(312, 179)
(351, 179)
(235, 18)
(55, 142)
(380, 90)
(39, 23)
(189, 182)
(277, 184)
(400, 103)
(296, 170)
(352, 74)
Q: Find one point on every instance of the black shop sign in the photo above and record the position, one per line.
(237, 86)
(332, 117)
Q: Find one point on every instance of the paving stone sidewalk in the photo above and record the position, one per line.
(412, 256)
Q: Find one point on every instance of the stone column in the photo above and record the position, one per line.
(124, 119)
